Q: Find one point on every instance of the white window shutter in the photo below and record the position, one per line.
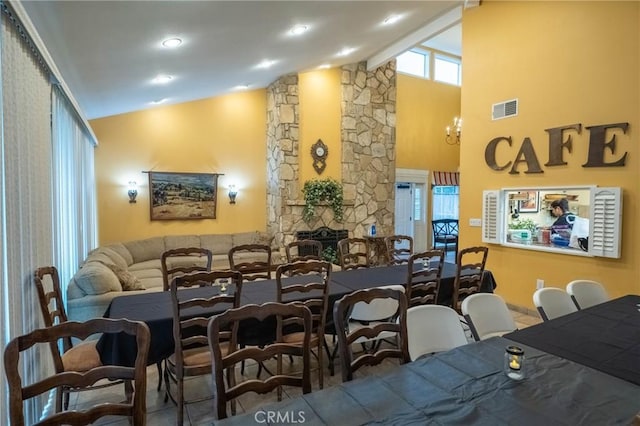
(606, 222)
(491, 217)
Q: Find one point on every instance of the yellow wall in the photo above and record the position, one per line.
(225, 134)
(424, 109)
(320, 115)
(566, 62)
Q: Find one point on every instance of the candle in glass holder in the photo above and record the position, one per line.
(514, 363)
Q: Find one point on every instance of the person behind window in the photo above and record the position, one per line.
(565, 219)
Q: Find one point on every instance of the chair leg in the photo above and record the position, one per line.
(180, 401)
(159, 365)
(128, 390)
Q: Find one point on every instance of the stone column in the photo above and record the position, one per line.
(368, 146)
(283, 122)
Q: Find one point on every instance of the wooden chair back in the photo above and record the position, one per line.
(190, 319)
(354, 253)
(424, 271)
(251, 269)
(134, 407)
(470, 266)
(307, 283)
(395, 324)
(73, 358)
(224, 328)
(172, 265)
(399, 248)
(303, 250)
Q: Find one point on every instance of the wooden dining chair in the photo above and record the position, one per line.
(224, 344)
(80, 357)
(469, 273)
(135, 405)
(303, 250)
(182, 261)
(191, 356)
(367, 315)
(252, 260)
(353, 253)
(307, 283)
(399, 249)
(424, 271)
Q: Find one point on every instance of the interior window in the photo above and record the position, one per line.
(414, 62)
(447, 69)
(446, 202)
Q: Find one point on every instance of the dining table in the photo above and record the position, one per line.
(605, 337)
(154, 308)
(466, 385)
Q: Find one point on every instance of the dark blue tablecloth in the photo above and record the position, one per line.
(464, 386)
(605, 337)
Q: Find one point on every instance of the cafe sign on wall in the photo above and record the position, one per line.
(557, 145)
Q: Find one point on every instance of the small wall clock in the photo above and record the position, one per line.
(319, 152)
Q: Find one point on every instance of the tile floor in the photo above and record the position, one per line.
(202, 413)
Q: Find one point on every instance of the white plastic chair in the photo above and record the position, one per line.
(487, 315)
(586, 293)
(553, 303)
(433, 328)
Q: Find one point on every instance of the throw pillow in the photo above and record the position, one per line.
(128, 281)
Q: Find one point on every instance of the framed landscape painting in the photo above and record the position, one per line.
(531, 204)
(182, 195)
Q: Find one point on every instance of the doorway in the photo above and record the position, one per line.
(411, 206)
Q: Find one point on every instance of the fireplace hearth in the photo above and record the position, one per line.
(327, 236)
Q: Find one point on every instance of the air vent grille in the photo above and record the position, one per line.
(504, 109)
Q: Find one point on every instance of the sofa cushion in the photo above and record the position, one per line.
(217, 244)
(243, 238)
(112, 255)
(181, 241)
(96, 278)
(141, 250)
(147, 273)
(147, 264)
(122, 251)
(73, 291)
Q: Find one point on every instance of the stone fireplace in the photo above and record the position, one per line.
(368, 155)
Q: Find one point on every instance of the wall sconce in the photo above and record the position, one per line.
(233, 192)
(133, 191)
(457, 127)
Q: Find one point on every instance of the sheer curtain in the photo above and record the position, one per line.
(26, 236)
(74, 209)
(47, 189)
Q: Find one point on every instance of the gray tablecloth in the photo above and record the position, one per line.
(462, 387)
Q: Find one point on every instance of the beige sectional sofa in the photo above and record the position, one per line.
(134, 267)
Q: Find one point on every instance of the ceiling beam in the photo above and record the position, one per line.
(432, 29)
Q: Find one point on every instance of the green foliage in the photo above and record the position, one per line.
(330, 255)
(329, 190)
(523, 224)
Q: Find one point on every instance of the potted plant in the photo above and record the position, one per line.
(322, 190)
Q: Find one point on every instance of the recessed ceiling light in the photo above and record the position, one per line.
(324, 66)
(390, 20)
(346, 51)
(265, 64)
(162, 79)
(159, 101)
(172, 42)
(242, 87)
(298, 29)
